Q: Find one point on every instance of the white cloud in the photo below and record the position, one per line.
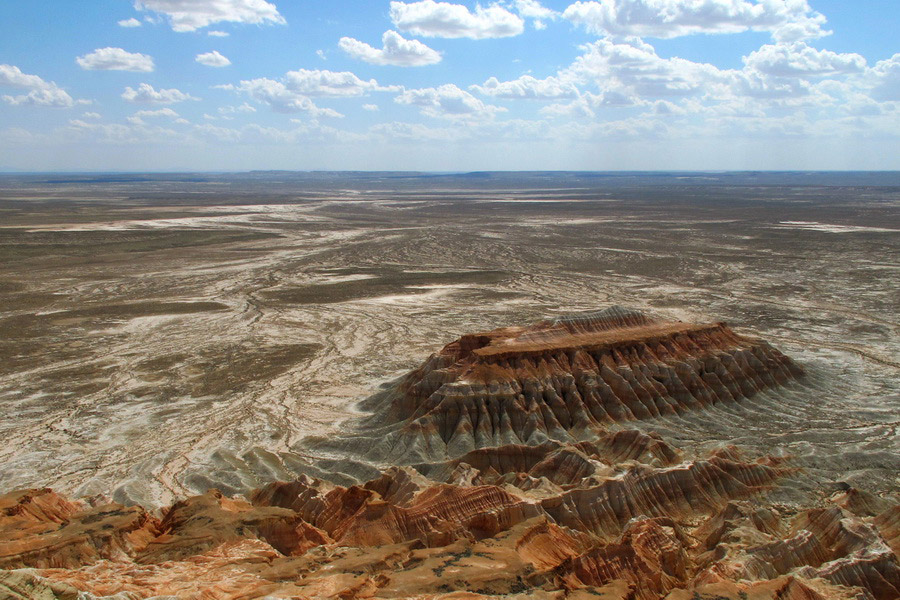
(12, 76)
(145, 94)
(40, 92)
(244, 108)
(138, 117)
(91, 115)
(665, 108)
(212, 59)
(304, 133)
(397, 51)
(162, 112)
(580, 108)
(633, 69)
(54, 97)
(115, 59)
(331, 83)
(885, 77)
(799, 60)
(215, 33)
(135, 132)
(226, 112)
(527, 86)
(776, 80)
(190, 15)
(132, 22)
(787, 20)
(784, 72)
(448, 101)
(321, 54)
(443, 19)
(532, 9)
(370, 107)
(292, 93)
(416, 132)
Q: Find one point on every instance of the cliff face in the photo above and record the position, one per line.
(566, 380)
(646, 533)
(515, 476)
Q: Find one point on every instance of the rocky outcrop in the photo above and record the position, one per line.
(643, 533)
(514, 475)
(201, 523)
(651, 556)
(565, 380)
(41, 529)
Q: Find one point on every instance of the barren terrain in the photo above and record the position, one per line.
(163, 335)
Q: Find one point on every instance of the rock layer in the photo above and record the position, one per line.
(514, 477)
(565, 380)
(649, 532)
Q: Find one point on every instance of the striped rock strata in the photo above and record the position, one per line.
(565, 380)
(508, 472)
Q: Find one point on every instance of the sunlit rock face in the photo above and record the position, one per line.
(699, 527)
(508, 468)
(566, 380)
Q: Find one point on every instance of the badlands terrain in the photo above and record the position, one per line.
(394, 385)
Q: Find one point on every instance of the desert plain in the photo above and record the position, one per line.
(164, 335)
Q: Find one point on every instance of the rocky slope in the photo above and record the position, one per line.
(515, 474)
(565, 380)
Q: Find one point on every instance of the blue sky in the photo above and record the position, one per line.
(426, 85)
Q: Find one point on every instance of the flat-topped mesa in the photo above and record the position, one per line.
(566, 379)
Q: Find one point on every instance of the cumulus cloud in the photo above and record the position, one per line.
(115, 59)
(215, 33)
(448, 101)
(633, 69)
(396, 51)
(138, 117)
(162, 112)
(12, 76)
(532, 9)
(212, 59)
(39, 92)
(294, 91)
(145, 94)
(370, 107)
(776, 79)
(393, 131)
(787, 20)
(135, 132)
(787, 72)
(190, 15)
(443, 19)
(314, 82)
(226, 113)
(230, 110)
(800, 60)
(132, 22)
(885, 79)
(528, 87)
(580, 108)
(305, 133)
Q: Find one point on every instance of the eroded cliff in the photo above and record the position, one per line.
(508, 469)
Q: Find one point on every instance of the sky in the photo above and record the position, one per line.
(233, 85)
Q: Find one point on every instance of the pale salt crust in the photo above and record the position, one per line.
(816, 226)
